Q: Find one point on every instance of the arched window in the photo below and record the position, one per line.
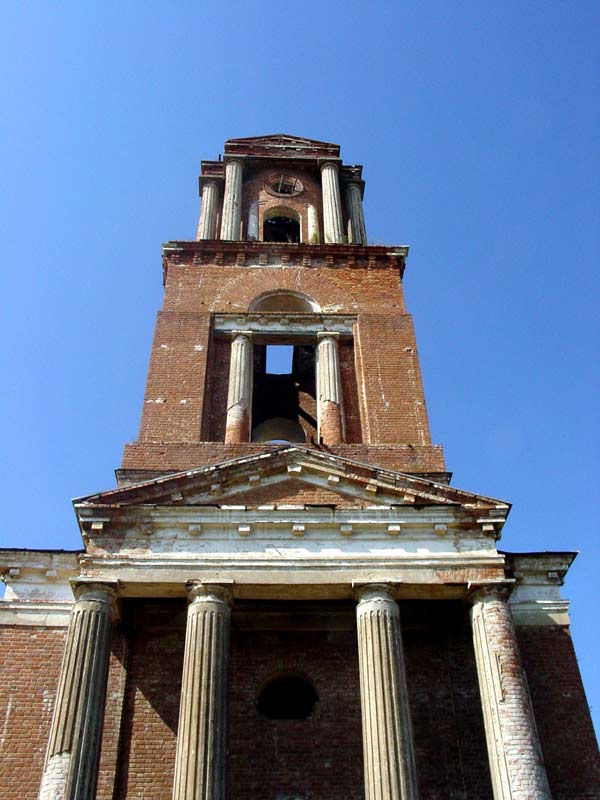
(282, 300)
(289, 696)
(281, 225)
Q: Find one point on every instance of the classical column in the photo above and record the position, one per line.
(514, 752)
(389, 758)
(201, 761)
(208, 210)
(332, 204)
(71, 768)
(239, 395)
(312, 225)
(252, 234)
(358, 232)
(232, 201)
(330, 416)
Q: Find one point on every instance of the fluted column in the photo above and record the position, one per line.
(208, 211)
(232, 201)
(389, 759)
(239, 395)
(358, 231)
(332, 204)
(514, 751)
(330, 415)
(71, 767)
(201, 762)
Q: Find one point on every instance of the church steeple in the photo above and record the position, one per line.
(282, 259)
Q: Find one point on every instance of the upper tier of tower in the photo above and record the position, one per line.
(282, 188)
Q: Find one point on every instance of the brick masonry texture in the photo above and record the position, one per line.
(562, 715)
(30, 660)
(186, 392)
(317, 757)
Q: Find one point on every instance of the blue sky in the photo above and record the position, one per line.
(477, 124)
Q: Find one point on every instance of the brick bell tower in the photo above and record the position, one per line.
(284, 598)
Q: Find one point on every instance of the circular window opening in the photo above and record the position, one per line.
(287, 697)
(283, 185)
(281, 229)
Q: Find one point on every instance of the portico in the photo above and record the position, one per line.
(407, 539)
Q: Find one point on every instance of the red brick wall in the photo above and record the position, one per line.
(30, 659)
(173, 402)
(185, 399)
(317, 757)
(320, 756)
(162, 457)
(562, 714)
(155, 635)
(253, 190)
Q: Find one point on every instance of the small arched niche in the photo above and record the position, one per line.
(278, 430)
(287, 696)
(281, 224)
(282, 300)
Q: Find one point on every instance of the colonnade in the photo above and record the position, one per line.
(73, 754)
(333, 216)
(330, 416)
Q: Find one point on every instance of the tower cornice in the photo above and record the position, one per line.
(270, 254)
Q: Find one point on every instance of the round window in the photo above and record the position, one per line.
(287, 697)
(283, 185)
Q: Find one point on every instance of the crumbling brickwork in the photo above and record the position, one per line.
(30, 659)
(561, 711)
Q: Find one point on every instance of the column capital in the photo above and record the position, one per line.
(489, 591)
(247, 334)
(241, 160)
(328, 335)
(95, 589)
(210, 180)
(200, 592)
(375, 592)
(329, 163)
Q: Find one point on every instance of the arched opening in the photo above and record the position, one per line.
(287, 697)
(278, 430)
(281, 300)
(281, 225)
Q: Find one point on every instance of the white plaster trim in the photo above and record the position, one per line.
(47, 615)
(285, 324)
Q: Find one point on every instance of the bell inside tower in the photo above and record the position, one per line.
(283, 408)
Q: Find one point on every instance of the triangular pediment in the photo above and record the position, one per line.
(291, 474)
(281, 144)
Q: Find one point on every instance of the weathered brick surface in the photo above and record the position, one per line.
(254, 190)
(562, 714)
(294, 492)
(155, 640)
(186, 393)
(30, 660)
(160, 457)
(318, 757)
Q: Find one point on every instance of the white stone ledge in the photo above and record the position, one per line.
(44, 615)
(541, 613)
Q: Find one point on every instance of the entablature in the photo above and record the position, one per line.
(243, 253)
